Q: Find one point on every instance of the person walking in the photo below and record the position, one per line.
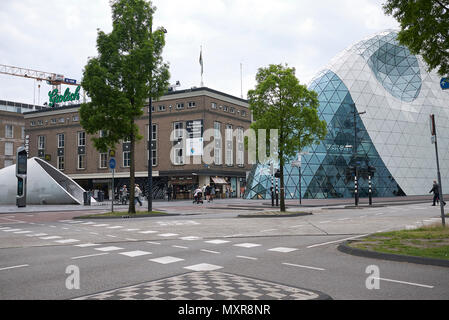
(208, 193)
(203, 189)
(124, 194)
(169, 192)
(212, 193)
(137, 193)
(436, 193)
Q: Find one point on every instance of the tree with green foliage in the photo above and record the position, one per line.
(127, 71)
(280, 102)
(424, 29)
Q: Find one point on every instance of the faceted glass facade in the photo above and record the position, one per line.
(382, 78)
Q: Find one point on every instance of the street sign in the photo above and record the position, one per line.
(444, 83)
(112, 163)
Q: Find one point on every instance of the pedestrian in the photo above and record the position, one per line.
(208, 193)
(137, 193)
(227, 192)
(203, 189)
(124, 194)
(212, 193)
(169, 192)
(436, 193)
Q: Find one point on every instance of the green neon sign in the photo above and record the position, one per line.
(54, 97)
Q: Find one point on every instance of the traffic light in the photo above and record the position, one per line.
(277, 174)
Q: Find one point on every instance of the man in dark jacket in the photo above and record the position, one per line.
(436, 193)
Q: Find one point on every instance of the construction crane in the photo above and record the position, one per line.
(53, 79)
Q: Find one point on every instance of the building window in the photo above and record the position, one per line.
(240, 147)
(81, 139)
(102, 133)
(8, 162)
(179, 155)
(179, 106)
(61, 120)
(161, 108)
(41, 142)
(103, 160)
(53, 121)
(60, 163)
(229, 145)
(9, 148)
(213, 105)
(232, 110)
(9, 131)
(243, 113)
(217, 143)
(178, 127)
(154, 142)
(152, 109)
(126, 159)
(61, 140)
(191, 104)
(75, 118)
(225, 108)
(32, 123)
(81, 161)
(40, 123)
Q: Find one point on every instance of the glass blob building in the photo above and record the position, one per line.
(376, 98)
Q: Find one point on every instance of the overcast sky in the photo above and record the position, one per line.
(58, 36)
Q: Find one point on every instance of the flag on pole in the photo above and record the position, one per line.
(201, 64)
(201, 60)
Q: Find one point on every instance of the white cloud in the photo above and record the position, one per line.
(59, 35)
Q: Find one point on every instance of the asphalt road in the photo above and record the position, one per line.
(38, 254)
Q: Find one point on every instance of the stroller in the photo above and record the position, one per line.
(198, 197)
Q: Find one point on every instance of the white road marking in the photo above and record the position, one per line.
(50, 238)
(14, 267)
(38, 235)
(302, 266)
(146, 232)
(87, 223)
(85, 245)
(136, 253)
(283, 249)
(404, 282)
(297, 226)
(210, 251)
(268, 230)
(12, 230)
(247, 245)
(131, 239)
(111, 236)
(180, 247)
(325, 221)
(90, 255)
(21, 232)
(203, 267)
(343, 219)
(330, 242)
(217, 241)
(379, 214)
(152, 242)
(100, 225)
(167, 234)
(245, 257)
(190, 238)
(67, 241)
(132, 229)
(111, 248)
(115, 227)
(166, 260)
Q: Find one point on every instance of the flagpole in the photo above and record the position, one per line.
(201, 63)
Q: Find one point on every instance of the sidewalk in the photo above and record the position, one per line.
(219, 205)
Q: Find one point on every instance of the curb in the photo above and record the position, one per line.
(274, 216)
(129, 216)
(345, 248)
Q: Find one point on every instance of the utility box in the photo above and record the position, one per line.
(21, 174)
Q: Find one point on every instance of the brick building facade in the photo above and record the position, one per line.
(56, 135)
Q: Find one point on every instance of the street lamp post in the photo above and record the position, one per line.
(150, 139)
(354, 149)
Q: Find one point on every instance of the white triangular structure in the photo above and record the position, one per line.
(45, 185)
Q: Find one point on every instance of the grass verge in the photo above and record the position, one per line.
(429, 241)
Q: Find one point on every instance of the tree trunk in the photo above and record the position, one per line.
(132, 169)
